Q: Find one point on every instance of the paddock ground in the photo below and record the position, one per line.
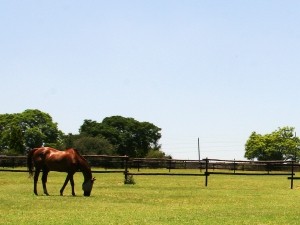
(152, 200)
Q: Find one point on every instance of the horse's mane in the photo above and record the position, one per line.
(84, 165)
(77, 152)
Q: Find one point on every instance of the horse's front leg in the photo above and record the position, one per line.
(44, 180)
(72, 184)
(65, 184)
(36, 178)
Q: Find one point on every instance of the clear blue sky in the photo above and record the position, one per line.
(217, 70)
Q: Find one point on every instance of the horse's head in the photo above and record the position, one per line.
(87, 187)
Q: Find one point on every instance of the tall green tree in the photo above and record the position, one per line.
(282, 144)
(31, 128)
(16, 140)
(129, 136)
(94, 146)
(34, 137)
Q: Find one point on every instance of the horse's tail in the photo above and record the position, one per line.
(30, 162)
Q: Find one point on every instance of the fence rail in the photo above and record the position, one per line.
(205, 167)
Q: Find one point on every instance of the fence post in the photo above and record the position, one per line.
(233, 165)
(206, 172)
(200, 166)
(292, 177)
(126, 167)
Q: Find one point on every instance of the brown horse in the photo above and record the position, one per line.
(49, 159)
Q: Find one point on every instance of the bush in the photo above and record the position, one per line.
(129, 180)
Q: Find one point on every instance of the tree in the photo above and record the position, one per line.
(6, 129)
(43, 122)
(94, 146)
(33, 137)
(281, 144)
(15, 140)
(128, 136)
(30, 128)
(153, 153)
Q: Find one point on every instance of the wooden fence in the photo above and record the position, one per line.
(209, 167)
(205, 167)
(271, 168)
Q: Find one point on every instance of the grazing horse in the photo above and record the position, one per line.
(49, 159)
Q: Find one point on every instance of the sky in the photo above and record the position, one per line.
(209, 69)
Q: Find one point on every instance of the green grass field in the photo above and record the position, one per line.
(152, 200)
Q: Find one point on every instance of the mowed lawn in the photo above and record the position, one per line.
(152, 200)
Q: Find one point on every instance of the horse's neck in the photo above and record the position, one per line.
(87, 175)
(86, 171)
(83, 166)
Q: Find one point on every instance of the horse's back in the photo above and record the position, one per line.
(55, 160)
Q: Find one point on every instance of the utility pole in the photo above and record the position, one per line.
(199, 155)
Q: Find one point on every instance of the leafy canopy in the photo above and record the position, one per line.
(282, 144)
(129, 136)
(29, 129)
(89, 145)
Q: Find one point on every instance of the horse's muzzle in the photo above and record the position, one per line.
(87, 193)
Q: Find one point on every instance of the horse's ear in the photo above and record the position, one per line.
(93, 179)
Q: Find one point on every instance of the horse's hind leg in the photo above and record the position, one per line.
(36, 178)
(44, 181)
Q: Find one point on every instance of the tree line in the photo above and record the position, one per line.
(115, 135)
